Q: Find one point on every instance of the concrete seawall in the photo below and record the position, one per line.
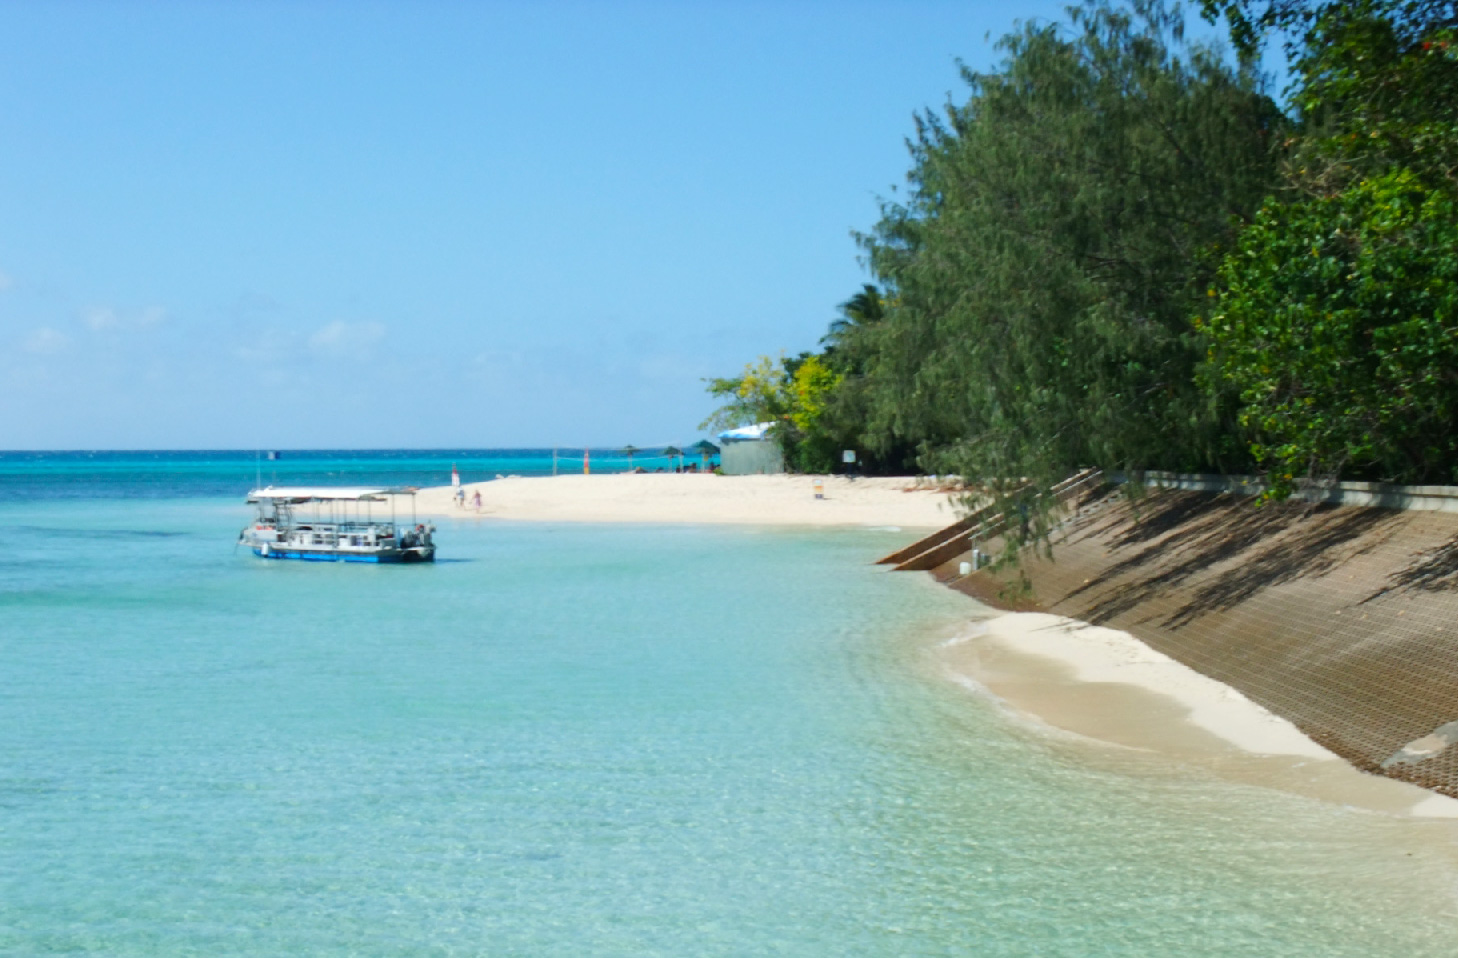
(1342, 619)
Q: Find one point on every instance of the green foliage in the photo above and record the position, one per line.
(792, 394)
(1379, 92)
(811, 387)
(857, 314)
(808, 442)
(1059, 229)
(1339, 327)
(760, 394)
(1251, 20)
(1335, 319)
(1117, 252)
(850, 349)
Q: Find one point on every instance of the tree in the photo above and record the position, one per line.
(1338, 323)
(849, 347)
(1336, 316)
(760, 394)
(866, 308)
(1058, 230)
(810, 442)
(793, 393)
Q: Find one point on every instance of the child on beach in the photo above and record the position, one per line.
(477, 499)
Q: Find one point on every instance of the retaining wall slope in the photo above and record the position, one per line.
(1342, 619)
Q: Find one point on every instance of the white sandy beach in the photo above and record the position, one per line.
(699, 498)
(1107, 685)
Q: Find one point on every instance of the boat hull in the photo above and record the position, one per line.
(317, 555)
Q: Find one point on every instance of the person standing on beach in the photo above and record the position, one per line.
(460, 497)
(477, 500)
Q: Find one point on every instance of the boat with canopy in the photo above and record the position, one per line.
(337, 524)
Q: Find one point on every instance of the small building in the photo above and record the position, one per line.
(750, 451)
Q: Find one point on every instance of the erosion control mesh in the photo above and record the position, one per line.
(1343, 620)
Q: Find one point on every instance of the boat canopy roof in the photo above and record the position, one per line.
(327, 493)
(745, 433)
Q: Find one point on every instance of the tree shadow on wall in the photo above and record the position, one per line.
(1186, 532)
(1312, 548)
(1195, 531)
(1175, 519)
(1433, 571)
(1164, 513)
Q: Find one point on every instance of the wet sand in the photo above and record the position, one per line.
(1105, 685)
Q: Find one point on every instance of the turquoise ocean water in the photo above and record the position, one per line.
(588, 740)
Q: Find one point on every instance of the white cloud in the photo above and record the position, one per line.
(101, 318)
(268, 346)
(46, 341)
(260, 352)
(347, 340)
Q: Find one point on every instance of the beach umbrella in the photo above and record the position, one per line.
(705, 449)
(628, 451)
(672, 451)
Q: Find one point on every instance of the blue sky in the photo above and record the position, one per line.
(425, 224)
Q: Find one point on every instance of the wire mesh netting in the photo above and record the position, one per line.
(1343, 620)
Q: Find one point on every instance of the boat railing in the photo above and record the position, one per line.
(348, 528)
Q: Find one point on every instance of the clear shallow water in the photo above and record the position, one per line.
(597, 740)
